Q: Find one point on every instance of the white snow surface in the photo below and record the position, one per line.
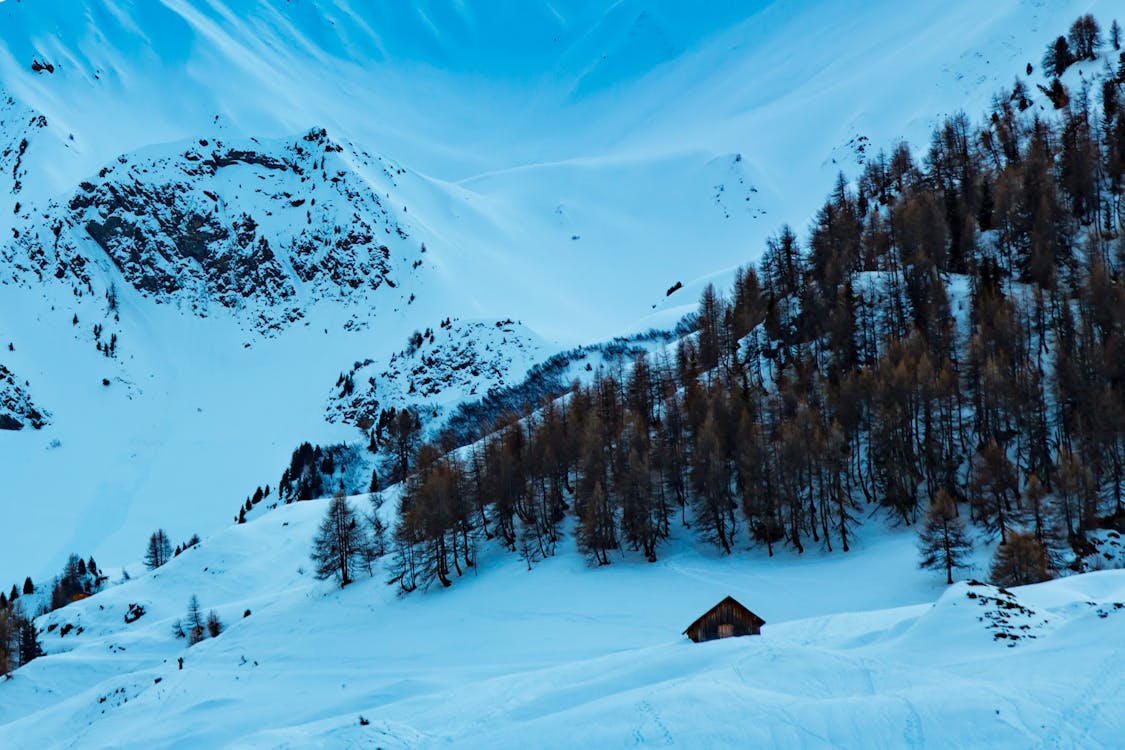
(563, 656)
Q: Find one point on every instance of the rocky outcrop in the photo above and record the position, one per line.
(263, 229)
(16, 409)
(438, 369)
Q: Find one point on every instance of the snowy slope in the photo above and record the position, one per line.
(564, 164)
(565, 656)
(618, 123)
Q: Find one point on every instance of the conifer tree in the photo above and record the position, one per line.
(26, 638)
(942, 539)
(1058, 58)
(159, 550)
(340, 543)
(214, 624)
(994, 487)
(597, 531)
(709, 321)
(1020, 561)
(71, 585)
(714, 506)
(194, 626)
(7, 623)
(1085, 37)
(377, 541)
(1035, 496)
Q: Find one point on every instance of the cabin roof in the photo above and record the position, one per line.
(733, 601)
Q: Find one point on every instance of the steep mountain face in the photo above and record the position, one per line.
(210, 280)
(259, 228)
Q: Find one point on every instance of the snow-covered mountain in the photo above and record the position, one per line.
(230, 227)
(562, 164)
(641, 127)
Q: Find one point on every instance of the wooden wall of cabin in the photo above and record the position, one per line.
(707, 629)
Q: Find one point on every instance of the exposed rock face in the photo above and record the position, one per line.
(459, 361)
(16, 409)
(18, 127)
(260, 228)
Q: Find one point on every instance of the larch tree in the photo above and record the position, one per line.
(341, 542)
(7, 637)
(1085, 37)
(403, 436)
(597, 530)
(214, 624)
(942, 540)
(1057, 58)
(159, 550)
(1022, 560)
(27, 639)
(710, 473)
(194, 625)
(994, 485)
(1035, 496)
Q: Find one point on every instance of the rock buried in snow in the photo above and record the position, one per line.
(1004, 615)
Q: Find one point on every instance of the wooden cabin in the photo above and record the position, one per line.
(726, 619)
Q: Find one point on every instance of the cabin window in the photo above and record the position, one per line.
(726, 630)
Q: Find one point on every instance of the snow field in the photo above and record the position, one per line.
(565, 656)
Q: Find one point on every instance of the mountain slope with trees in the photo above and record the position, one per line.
(565, 176)
(924, 386)
(950, 336)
